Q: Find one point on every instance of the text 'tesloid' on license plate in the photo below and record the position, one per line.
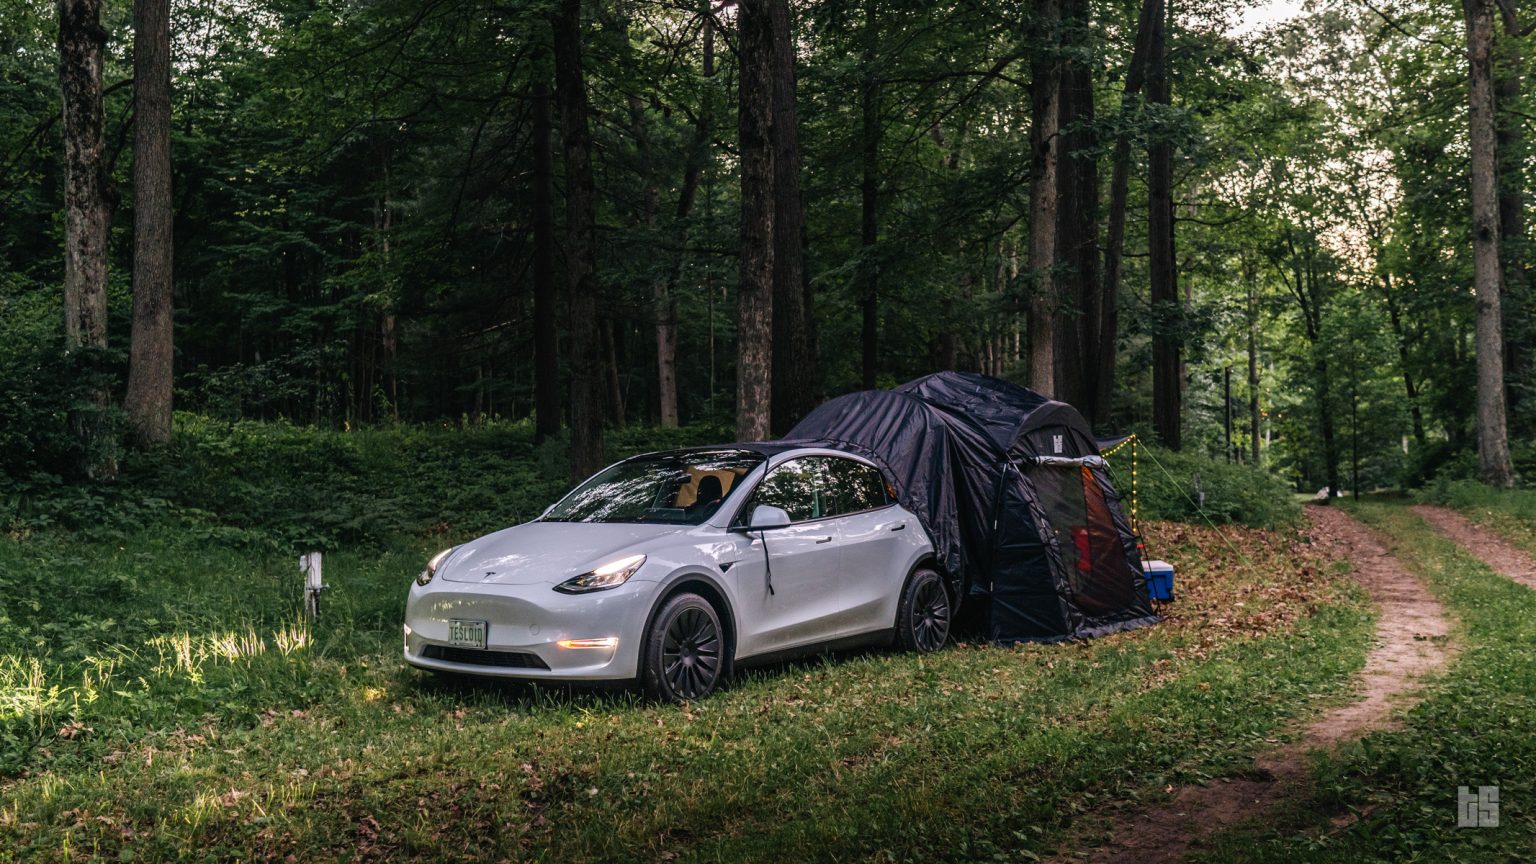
(466, 634)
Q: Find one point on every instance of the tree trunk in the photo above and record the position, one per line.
(1045, 144)
(1509, 147)
(1312, 296)
(793, 360)
(664, 307)
(580, 246)
(1079, 337)
(1253, 367)
(390, 343)
(869, 188)
(1119, 193)
(88, 195)
(945, 350)
(1226, 411)
(1325, 419)
(666, 354)
(666, 302)
(546, 357)
(1167, 383)
(1354, 436)
(1492, 438)
(1400, 336)
(610, 334)
(755, 296)
(148, 401)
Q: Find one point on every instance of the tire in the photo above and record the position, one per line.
(924, 614)
(683, 657)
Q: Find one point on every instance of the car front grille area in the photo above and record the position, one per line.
(476, 657)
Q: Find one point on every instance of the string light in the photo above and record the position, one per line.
(1135, 497)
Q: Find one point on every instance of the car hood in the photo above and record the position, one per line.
(546, 552)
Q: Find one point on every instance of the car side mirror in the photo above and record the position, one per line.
(765, 517)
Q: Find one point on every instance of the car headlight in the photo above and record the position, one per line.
(432, 564)
(610, 575)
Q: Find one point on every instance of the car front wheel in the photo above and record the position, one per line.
(684, 651)
(922, 618)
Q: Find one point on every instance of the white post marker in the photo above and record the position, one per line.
(309, 566)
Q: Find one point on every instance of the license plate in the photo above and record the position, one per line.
(466, 634)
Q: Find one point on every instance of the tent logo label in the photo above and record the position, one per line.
(1056, 443)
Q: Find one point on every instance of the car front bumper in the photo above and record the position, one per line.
(524, 627)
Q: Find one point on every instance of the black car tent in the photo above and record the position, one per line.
(1013, 492)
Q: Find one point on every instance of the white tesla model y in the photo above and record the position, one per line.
(669, 568)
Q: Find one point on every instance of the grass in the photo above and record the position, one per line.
(1510, 512)
(1475, 727)
(159, 699)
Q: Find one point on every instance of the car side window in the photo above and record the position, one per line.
(854, 487)
(796, 486)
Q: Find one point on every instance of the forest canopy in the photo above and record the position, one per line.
(1271, 242)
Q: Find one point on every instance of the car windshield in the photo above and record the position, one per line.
(683, 488)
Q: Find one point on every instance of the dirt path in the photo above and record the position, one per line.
(1500, 554)
(1412, 641)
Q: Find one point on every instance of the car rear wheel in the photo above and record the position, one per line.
(684, 651)
(922, 618)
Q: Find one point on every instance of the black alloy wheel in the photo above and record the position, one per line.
(685, 650)
(923, 617)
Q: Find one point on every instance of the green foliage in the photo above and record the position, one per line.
(279, 487)
(1189, 487)
(41, 388)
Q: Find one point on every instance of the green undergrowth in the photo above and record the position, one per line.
(275, 487)
(272, 487)
(161, 699)
(1475, 727)
(1191, 487)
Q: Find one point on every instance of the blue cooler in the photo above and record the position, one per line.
(1159, 579)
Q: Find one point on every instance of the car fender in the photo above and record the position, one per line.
(667, 585)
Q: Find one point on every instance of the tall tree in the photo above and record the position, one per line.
(1401, 339)
(1305, 270)
(148, 400)
(794, 343)
(1045, 146)
(546, 359)
(1167, 377)
(1492, 438)
(869, 189)
(1080, 318)
(1509, 145)
(755, 295)
(88, 203)
(1252, 278)
(580, 245)
(1119, 194)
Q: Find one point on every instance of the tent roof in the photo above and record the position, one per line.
(1002, 410)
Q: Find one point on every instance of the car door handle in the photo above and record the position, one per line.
(900, 527)
(823, 540)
